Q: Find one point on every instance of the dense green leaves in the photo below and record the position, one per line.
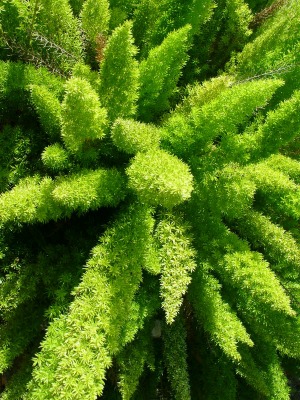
(133, 137)
(83, 119)
(55, 157)
(280, 127)
(149, 219)
(249, 272)
(95, 18)
(164, 62)
(176, 359)
(36, 199)
(48, 109)
(278, 41)
(95, 327)
(28, 202)
(136, 355)
(160, 178)
(119, 74)
(278, 245)
(219, 116)
(216, 316)
(153, 21)
(89, 189)
(177, 261)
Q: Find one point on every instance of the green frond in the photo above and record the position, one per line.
(160, 178)
(35, 199)
(216, 316)
(175, 351)
(165, 63)
(223, 115)
(82, 119)
(229, 189)
(149, 199)
(264, 356)
(48, 109)
(16, 385)
(280, 127)
(132, 136)
(95, 17)
(119, 74)
(251, 274)
(286, 165)
(89, 190)
(177, 258)
(55, 157)
(275, 191)
(277, 244)
(18, 329)
(29, 202)
(132, 361)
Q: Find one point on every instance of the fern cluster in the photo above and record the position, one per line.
(149, 200)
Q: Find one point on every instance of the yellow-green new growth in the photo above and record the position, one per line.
(133, 136)
(119, 74)
(177, 258)
(160, 178)
(83, 119)
(95, 17)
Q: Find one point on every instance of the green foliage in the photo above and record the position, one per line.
(199, 94)
(28, 202)
(17, 331)
(76, 6)
(48, 109)
(232, 192)
(16, 150)
(286, 165)
(215, 314)
(55, 157)
(49, 20)
(225, 32)
(149, 199)
(83, 119)
(15, 82)
(13, 15)
(248, 271)
(277, 244)
(41, 32)
(177, 263)
(36, 199)
(89, 189)
(215, 375)
(153, 21)
(16, 387)
(275, 190)
(119, 74)
(273, 380)
(95, 18)
(222, 115)
(277, 52)
(160, 72)
(257, 5)
(160, 178)
(176, 359)
(94, 328)
(136, 355)
(280, 127)
(133, 137)
(275, 49)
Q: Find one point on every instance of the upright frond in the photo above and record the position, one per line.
(119, 74)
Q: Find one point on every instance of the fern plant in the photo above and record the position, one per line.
(149, 221)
